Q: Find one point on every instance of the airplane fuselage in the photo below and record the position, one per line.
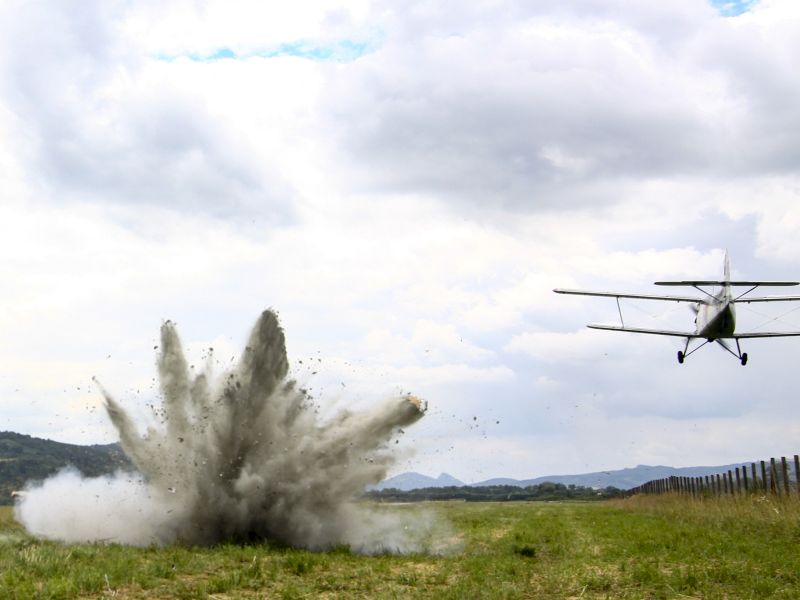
(717, 317)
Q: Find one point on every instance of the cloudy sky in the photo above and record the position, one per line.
(406, 186)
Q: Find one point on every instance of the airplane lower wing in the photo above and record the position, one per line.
(766, 334)
(682, 334)
(768, 299)
(634, 296)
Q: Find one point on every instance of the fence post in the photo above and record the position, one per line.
(744, 479)
(785, 472)
(797, 472)
(738, 482)
(773, 476)
(755, 477)
(730, 481)
(764, 476)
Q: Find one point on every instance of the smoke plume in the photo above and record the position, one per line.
(240, 458)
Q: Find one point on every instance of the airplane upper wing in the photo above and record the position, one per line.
(754, 284)
(683, 334)
(636, 296)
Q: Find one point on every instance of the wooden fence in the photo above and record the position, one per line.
(769, 477)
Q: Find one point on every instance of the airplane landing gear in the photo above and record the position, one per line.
(680, 357)
(744, 358)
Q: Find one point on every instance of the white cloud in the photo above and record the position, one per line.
(408, 212)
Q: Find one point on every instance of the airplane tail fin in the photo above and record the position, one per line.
(727, 271)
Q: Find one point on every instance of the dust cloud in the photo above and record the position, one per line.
(240, 458)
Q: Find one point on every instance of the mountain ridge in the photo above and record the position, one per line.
(623, 479)
(24, 458)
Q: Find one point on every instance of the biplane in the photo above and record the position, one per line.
(715, 315)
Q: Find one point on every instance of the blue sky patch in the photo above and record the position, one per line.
(341, 51)
(733, 8)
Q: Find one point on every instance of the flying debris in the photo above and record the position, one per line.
(242, 457)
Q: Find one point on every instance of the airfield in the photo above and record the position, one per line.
(640, 547)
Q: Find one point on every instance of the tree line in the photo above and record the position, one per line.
(496, 493)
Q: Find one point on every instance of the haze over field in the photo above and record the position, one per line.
(407, 185)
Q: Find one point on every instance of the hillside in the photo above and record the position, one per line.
(24, 458)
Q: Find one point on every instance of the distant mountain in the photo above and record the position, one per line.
(24, 458)
(623, 479)
(414, 481)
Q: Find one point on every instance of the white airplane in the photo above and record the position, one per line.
(715, 317)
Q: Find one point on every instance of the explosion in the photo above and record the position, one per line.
(240, 458)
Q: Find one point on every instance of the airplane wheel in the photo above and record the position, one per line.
(744, 359)
(680, 357)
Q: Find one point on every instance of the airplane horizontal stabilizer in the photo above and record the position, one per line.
(633, 296)
(683, 334)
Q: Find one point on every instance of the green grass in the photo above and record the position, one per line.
(644, 547)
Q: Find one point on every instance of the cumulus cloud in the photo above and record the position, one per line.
(425, 192)
(537, 107)
(105, 124)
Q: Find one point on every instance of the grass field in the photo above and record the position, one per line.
(644, 547)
